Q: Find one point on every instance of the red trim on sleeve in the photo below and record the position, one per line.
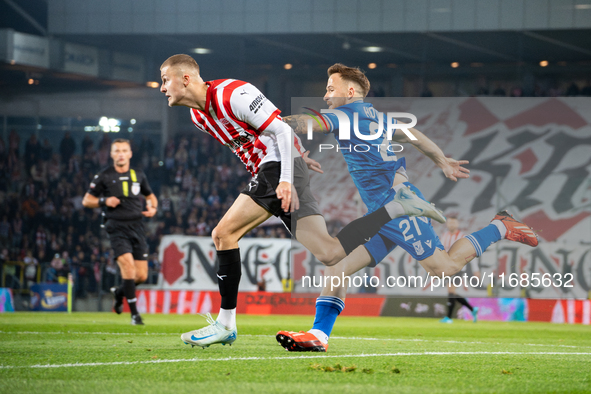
(271, 118)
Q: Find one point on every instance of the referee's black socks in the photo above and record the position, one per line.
(229, 274)
(129, 293)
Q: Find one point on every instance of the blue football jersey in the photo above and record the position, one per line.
(372, 163)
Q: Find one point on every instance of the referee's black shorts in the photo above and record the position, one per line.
(262, 190)
(128, 236)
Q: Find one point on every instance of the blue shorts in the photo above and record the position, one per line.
(413, 234)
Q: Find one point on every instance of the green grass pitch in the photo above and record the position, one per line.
(38, 353)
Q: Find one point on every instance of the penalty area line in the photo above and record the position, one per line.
(400, 354)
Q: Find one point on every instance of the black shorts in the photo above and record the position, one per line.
(128, 236)
(262, 188)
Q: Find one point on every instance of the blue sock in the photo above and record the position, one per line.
(483, 238)
(327, 310)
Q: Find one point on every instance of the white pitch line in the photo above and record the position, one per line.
(292, 358)
(461, 342)
(268, 336)
(84, 333)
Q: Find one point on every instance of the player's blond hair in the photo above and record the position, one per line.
(185, 61)
(351, 74)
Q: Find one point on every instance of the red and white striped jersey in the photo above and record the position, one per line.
(237, 114)
(448, 238)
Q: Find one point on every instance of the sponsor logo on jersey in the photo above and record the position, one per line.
(123, 178)
(257, 103)
(92, 185)
(418, 248)
(428, 243)
(237, 142)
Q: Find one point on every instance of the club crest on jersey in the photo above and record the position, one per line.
(135, 188)
(418, 247)
(225, 122)
(257, 103)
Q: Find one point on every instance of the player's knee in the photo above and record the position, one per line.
(330, 254)
(327, 258)
(217, 235)
(140, 277)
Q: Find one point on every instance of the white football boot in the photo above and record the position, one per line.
(414, 205)
(209, 335)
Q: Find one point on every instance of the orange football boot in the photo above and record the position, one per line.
(517, 231)
(300, 342)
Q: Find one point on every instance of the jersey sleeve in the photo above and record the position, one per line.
(251, 106)
(97, 186)
(145, 188)
(332, 122)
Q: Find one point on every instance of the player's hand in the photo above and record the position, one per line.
(453, 169)
(149, 212)
(311, 163)
(284, 192)
(112, 202)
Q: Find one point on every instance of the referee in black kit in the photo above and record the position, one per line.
(118, 188)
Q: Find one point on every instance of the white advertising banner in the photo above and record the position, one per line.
(189, 263)
(81, 59)
(30, 50)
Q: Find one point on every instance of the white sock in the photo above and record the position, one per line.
(228, 318)
(501, 226)
(394, 209)
(322, 337)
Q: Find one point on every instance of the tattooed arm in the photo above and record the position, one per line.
(299, 123)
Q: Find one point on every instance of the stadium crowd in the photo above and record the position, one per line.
(45, 228)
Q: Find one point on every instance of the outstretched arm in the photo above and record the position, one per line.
(452, 169)
(299, 124)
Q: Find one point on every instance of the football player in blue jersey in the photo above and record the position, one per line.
(378, 175)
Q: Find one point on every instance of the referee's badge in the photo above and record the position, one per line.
(135, 188)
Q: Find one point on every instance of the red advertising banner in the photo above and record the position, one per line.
(560, 311)
(255, 303)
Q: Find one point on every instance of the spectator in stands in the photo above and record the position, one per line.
(3, 150)
(13, 143)
(572, 90)
(4, 231)
(39, 173)
(31, 265)
(4, 257)
(46, 150)
(499, 91)
(32, 152)
(67, 148)
(17, 230)
(86, 144)
(55, 265)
